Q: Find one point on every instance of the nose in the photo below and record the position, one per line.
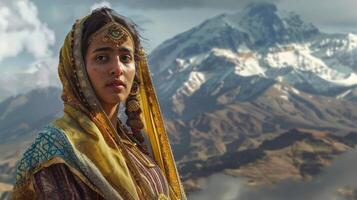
(116, 68)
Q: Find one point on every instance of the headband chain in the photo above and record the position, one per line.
(115, 33)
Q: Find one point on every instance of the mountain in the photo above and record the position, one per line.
(256, 45)
(239, 79)
(24, 113)
(295, 154)
(21, 116)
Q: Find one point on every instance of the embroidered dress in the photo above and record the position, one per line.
(57, 170)
(82, 156)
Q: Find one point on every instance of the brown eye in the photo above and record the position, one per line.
(101, 58)
(126, 58)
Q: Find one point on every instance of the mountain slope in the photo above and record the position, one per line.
(21, 116)
(239, 79)
(256, 45)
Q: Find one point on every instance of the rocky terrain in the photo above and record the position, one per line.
(347, 193)
(296, 154)
(258, 75)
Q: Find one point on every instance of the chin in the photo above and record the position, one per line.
(115, 99)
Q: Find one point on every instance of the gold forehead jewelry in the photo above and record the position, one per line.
(115, 34)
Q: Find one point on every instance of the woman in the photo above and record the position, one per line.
(88, 153)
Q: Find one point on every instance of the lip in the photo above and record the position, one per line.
(116, 84)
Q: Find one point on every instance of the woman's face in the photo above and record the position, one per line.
(111, 69)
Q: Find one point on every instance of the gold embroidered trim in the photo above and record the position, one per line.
(162, 197)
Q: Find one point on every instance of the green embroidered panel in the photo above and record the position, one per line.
(49, 143)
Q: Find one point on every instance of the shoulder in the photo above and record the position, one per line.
(57, 181)
(50, 142)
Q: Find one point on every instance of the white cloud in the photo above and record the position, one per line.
(4, 13)
(328, 15)
(40, 74)
(100, 4)
(22, 30)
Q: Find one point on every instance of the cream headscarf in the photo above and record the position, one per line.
(80, 99)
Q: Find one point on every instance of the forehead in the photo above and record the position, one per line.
(111, 40)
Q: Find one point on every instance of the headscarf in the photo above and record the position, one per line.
(79, 98)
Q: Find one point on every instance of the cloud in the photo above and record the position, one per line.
(341, 173)
(329, 15)
(39, 74)
(139, 19)
(28, 59)
(21, 30)
(326, 14)
(171, 4)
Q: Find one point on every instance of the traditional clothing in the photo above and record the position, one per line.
(82, 156)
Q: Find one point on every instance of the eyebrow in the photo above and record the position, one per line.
(121, 49)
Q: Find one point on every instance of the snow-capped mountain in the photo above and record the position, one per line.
(238, 79)
(255, 47)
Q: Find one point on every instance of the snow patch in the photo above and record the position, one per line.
(194, 82)
(285, 97)
(247, 63)
(283, 89)
(295, 91)
(341, 96)
(348, 80)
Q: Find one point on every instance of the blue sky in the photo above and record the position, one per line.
(32, 31)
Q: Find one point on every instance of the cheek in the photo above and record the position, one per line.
(94, 75)
(131, 74)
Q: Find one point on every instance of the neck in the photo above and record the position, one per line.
(112, 113)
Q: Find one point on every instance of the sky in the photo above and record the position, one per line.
(32, 31)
